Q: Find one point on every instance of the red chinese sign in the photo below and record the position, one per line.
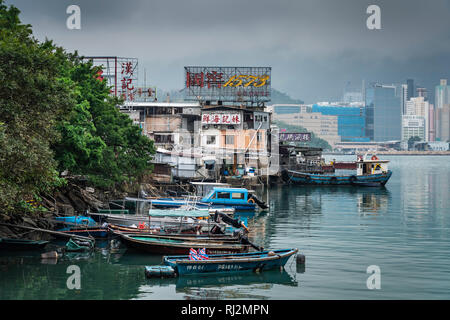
(221, 118)
(230, 84)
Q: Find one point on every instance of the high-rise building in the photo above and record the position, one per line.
(443, 123)
(418, 107)
(442, 110)
(383, 113)
(351, 120)
(404, 97)
(442, 94)
(410, 84)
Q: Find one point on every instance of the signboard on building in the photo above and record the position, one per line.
(295, 137)
(221, 118)
(228, 84)
(120, 73)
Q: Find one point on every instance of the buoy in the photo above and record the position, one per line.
(301, 259)
(159, 272)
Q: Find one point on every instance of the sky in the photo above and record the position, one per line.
(315, 47)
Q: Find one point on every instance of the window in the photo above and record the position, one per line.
(160, 138)
(223, 195)
(210, 139)
(259, 137)
(238, 195)
(229, 139)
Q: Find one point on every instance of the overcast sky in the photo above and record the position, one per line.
(313, 46)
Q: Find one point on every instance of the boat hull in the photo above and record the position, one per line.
(172, 246)
(230, 263)
(19, 244)
(323, 179)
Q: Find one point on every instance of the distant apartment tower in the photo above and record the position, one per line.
(442, 111)
(416, 119)
(442, 94)
(383, 113)
(410, 85)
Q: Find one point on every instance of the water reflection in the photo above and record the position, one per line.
(223, 286)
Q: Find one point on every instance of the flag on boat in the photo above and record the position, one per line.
(193, 255)
(202, 254)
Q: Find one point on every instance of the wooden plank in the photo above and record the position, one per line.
(47, 231)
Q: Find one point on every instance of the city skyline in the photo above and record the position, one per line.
(314, 48)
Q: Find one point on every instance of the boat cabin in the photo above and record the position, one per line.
(372, 166)
(227, 195)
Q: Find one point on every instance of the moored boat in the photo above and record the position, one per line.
(369, 172)
(218, 198)
(218, 263)
(157, 245)
(21, 244)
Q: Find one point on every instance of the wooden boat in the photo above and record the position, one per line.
(21, 244)
(219, 263)
(159, 245)
(372, 171)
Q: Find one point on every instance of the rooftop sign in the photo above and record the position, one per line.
(228, 84)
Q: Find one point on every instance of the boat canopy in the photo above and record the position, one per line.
(178, 213)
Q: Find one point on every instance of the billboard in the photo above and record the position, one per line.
(228, 84)
(295, 137)
(120, 73)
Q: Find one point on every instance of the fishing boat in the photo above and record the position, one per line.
(158, 245)
(219, 263)
(369, 172)
(218, 198)
(21, 244)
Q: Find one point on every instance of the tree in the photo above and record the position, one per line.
(32, 97)
(97, 140)
(55, 116)
(411, 141)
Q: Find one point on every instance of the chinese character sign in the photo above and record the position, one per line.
(295, 137)
(232, 84)
(221, 118)
(128, 79)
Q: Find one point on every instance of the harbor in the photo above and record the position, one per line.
(341, 230)
(223, 159)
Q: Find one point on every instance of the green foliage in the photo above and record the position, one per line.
(315, 141)
(55, 116)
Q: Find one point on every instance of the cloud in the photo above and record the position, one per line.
(313, 46)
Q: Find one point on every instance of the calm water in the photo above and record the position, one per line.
(403, 228)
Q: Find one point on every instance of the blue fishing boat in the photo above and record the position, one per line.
(219, 263)
(238, 198)
(369, 172)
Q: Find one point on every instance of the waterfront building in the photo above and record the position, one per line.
(169, 124)
(236, 135)
(383, 113)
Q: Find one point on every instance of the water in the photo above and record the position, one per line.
(402, 228)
